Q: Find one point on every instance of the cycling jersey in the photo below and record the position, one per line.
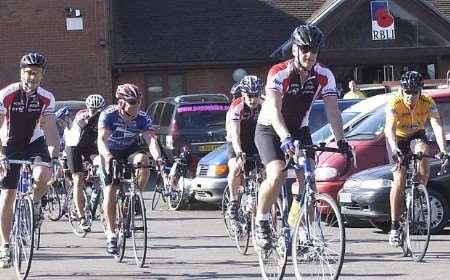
(296, 98)
(409, 121)
(83, 136)
(241, 112)
(23, 114)
(123, 133)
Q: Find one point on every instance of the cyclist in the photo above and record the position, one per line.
(119, 127)
(241, 120)
(291, 88)
(27, 113)
(406, 115)
(63, 122)
(81, 144)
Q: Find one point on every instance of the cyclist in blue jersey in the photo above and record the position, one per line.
(119, 127)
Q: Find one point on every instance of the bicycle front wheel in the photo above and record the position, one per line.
(318, 246)
(138, 227)
(53, 207)
(23, 240)
(74, 216)
(418, 222)
(158, 192)
(122, 218)
(177, 194)
(242, 232)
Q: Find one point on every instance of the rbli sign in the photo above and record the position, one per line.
(382, 21)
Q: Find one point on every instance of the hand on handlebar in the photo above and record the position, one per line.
(397, 156)
(287, 146)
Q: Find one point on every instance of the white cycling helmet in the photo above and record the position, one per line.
(95, 101)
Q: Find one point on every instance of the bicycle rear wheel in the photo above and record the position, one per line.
(122, 218)
(23, 239)
(418, 222)
(272, 262)
(318, 246)
(74, 216)
(158, 192)
(53, 208)
(177, 194)
(138, 227)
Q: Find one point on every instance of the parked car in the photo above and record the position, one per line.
(195, 120)
(352, 116)
(370, 147)
(212, 170)
(365, 196)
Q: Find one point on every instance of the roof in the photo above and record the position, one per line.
(203, 31)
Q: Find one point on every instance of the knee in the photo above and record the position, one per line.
(140, 158)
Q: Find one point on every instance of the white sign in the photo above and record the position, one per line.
(382, 21)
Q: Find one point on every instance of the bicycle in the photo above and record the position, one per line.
(319, 224)
(23, 234)
(93, 196)
(131, 217)
(61, 187)
(241, 231)
(415, 219)
(170, 184)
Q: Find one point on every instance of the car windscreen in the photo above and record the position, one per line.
(202, 116)
(368, 128)
(325, 131)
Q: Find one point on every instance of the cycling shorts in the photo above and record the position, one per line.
(404, 143)
(76, 155)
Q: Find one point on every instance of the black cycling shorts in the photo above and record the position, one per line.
(404, 143)
(76, 155)
(126, 154)
(268, 142)
(37, 151)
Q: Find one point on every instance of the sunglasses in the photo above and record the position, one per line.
(307, 49)
(132, 101)
(411, 92)
(252, 95)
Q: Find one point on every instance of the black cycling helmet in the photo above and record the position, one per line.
(251, 85)
(33, 58)
(411, 80)
(235, 90)
(308, 35)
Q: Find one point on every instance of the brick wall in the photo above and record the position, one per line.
(78, 61)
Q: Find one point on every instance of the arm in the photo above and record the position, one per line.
(391, 127)
(235, 129)
(438, 128)
(2, 118)
(334, 116)
(81, 119)
(51, 134)
(152, 141)
(102, 142)
(274, 102)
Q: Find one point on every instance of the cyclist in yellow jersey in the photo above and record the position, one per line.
(406, 115)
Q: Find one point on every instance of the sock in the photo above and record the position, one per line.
(395, 225)
(262, 217)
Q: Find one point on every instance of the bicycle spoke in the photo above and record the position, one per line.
(138, 229)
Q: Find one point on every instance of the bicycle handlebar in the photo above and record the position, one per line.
(418, 156)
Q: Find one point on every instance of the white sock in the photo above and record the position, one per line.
(262, 217)
(110, 235)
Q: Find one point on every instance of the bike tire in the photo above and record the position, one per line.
(138, 227)
(226, 218)
(243, 230)
(23, 229)
(418, 222)
(176, 196)
(314, 255)
(74, 220)
(272, 262)
(53, 207)
(158, 192)
(121, 219)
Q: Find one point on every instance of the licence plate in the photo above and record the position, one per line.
(207, 148)
(345, 197)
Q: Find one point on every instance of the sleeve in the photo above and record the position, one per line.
(391, 113)
(327, 83)
(234, 112)
(104, 121)
(275, 80)
(147, 123)
(50, 108)
(2, 104)
(433, 109)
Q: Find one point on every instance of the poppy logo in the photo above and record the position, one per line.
(382, 21)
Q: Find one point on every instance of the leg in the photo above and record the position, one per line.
(423, 166)
(234, 181)
(270, 187)
(396, 196)
(7, 198)
(142, 173)
(78, 194)
(41, 176)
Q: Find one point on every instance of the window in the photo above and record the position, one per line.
(154, 88)
(157, 115)
(175, 84)
(167, 114)
(163, 85)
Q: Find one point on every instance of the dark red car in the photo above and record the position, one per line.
(370, 147)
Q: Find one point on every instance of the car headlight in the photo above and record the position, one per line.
(376, 184)
(217, 170)
(352, 184)
(325, 173)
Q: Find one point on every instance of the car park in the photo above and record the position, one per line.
(212, 170)
(365, 196)
(196, 121)
(369, 143)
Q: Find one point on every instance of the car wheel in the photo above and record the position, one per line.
(439, 211)
(384, 226)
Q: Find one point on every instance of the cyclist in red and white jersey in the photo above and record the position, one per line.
(27, 113)
(81, 144)
(292, 86)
